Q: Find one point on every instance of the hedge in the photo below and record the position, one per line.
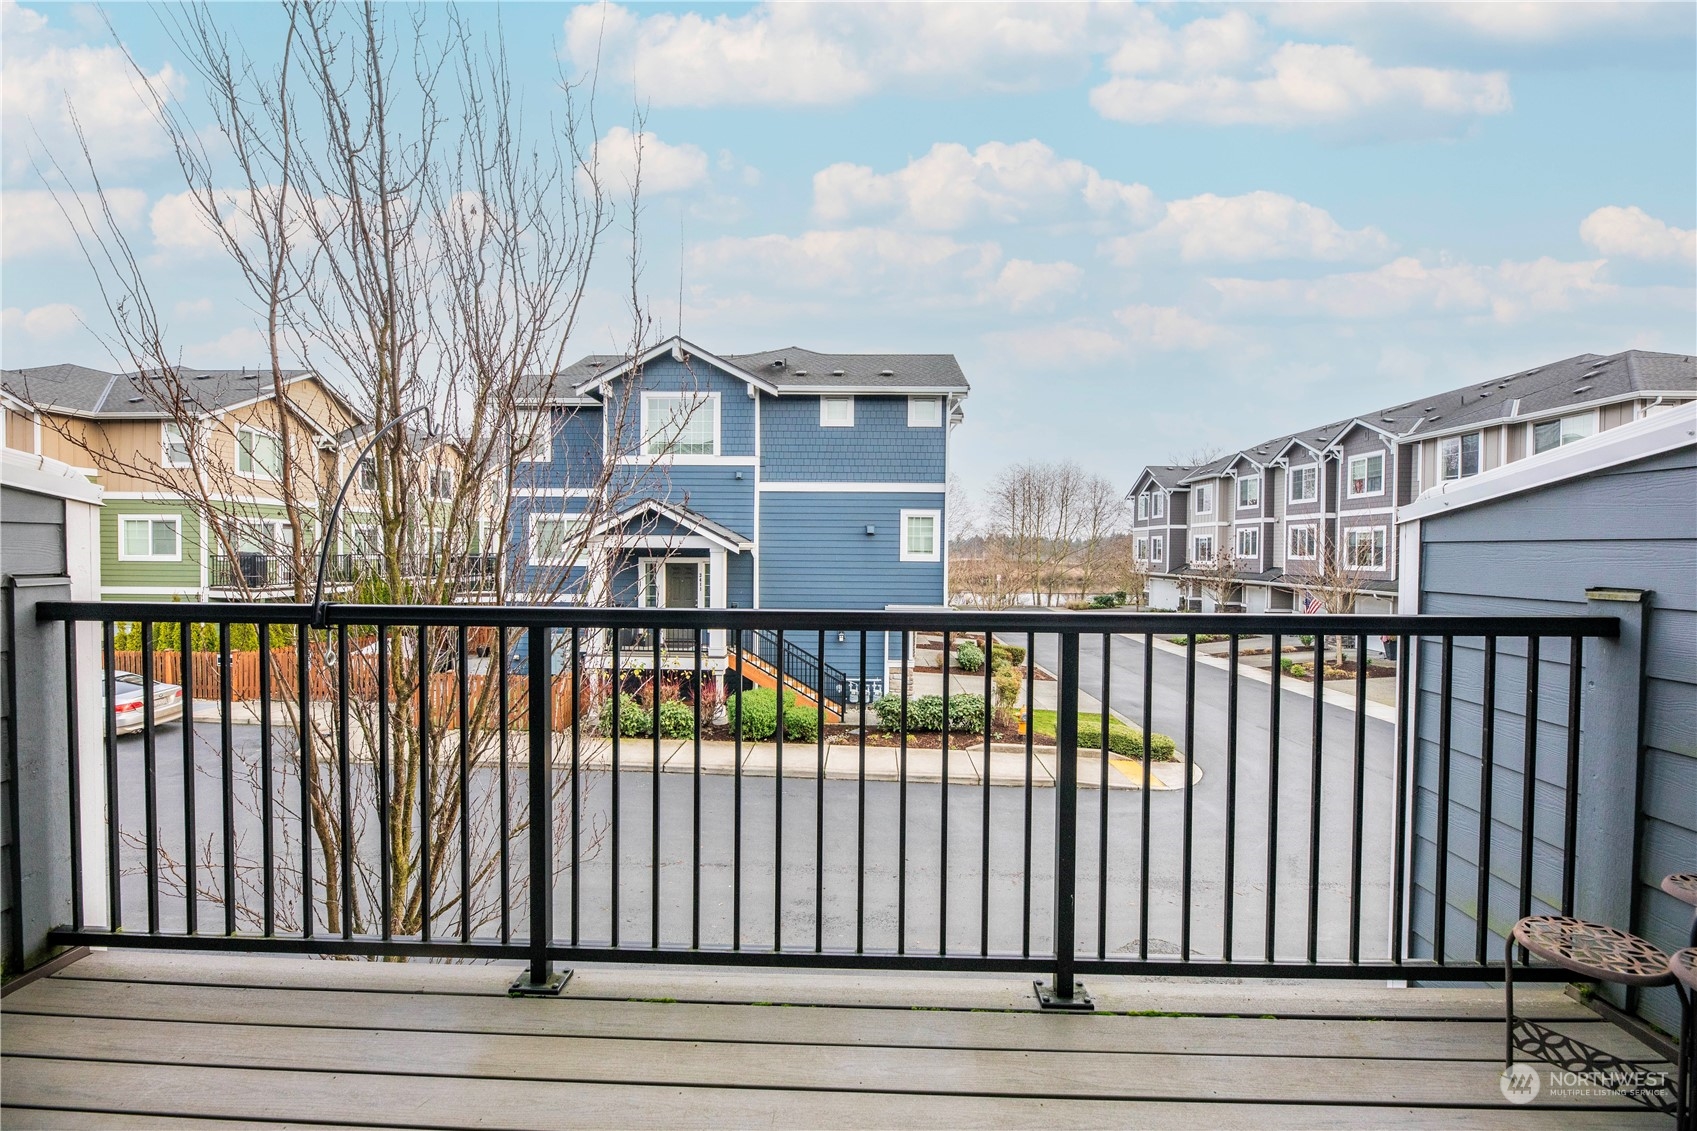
(969, 657)
(1011, 654)
(925, 713)
(1126, 740)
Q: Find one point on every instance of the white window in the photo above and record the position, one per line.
(1202, 495)
(1142, 549)
(1552, 434)
(538, 429)
(368, 475)
(1202, 548)
(1458, 456)
(922, 536)
(1143, 506)
(1157, 504)
(551, 537)
(363, 541)
(1248, 541)
(1302, 542)
(1365, 547)
(1248, 492)
(680, 424)
(441, 483)
(150, 538)
(1304, 484)
(176, 447)
(1157, 548)
(836, 412)
(1367, 475)
(259, 455)
(924, 412)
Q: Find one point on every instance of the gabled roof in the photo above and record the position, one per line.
(77, 390)
(690, 520)
(790, 371)
(1166, 475)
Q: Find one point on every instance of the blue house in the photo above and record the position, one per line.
(787, 479)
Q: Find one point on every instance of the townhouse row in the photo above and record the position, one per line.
(1265, 528)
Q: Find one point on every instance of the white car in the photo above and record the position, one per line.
(167, 702)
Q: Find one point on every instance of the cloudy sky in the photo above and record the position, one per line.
(1143, 230)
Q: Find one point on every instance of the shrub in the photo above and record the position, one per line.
(925, 713)
(969, 657)
(1307, 641)
(635, 720)
(1113, 600)
(1011, 654)
(1126, 740)
(1336, 673)
(677, 719)
(1007, 683)
(759, 706)
(168, 636)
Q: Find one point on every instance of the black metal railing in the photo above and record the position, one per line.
(250, 570)
(807, 669)
(369, 800)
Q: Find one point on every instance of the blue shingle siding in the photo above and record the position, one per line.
(576, 452)
(816, 554)
(879, 448)
(1630, 526)
(710, 490)
(736, 408)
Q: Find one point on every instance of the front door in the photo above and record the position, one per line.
(682, 591)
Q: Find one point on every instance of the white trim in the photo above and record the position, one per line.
(936, 517)
(1558, 420)
(260, 474)
(529, 454)
(1237, 493)
(942, 412)
(1347, 546)
(44, 475)
(1212, 493)
(700, 397)
(825, 422)
(551, 492)
(759, 412)
(1314, 537)
(1638, 439)
(1356, 512)
(1237, 540)
(165, 460)
(1157, 548)
(690, 461)
(1349, 475)
(1290, 483)
(1196, 554)
(150, 590)
(823, 487)
(679, 349)
(176, 521)
(1461, 471)
(569, 521)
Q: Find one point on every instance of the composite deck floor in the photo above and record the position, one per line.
(136, 1039)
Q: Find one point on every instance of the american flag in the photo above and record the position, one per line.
(1312, 604)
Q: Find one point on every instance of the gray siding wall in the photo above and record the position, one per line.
(1363, 442)
(32, 544)
(1633, 526)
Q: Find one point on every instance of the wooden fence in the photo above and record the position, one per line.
(362, 684)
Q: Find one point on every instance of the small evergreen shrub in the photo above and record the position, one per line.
(759, 707)
(925, 713)
(1011, 654)
(969, 657)
(635, 720)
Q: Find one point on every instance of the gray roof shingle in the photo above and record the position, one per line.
(92, 392)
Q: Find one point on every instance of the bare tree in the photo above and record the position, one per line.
(1335, 580)
(1099, 553)
(1049, 524)
(395, 228)
(1218, 577)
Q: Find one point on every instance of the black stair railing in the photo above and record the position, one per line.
(802, 667)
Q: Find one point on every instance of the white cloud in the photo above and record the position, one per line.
(1249, 228)
(953, 187)
(32, 221)
(44, 323)
(1632, 233)
(240, 346)
(1167, 328)
(665, 168)
(1407, 287)
(1502, 23)
(826, 54)
(1022, 284)
(1222, 71)
(44, 70)
(1062, 344)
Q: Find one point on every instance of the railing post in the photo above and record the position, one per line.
(1065, 992)
(539, 980)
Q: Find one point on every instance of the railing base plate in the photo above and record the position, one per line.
(1079, 1002)
(524, 987)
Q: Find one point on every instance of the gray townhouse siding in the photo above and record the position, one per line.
(1366, 515)
(1626, 523)
(1495, 421)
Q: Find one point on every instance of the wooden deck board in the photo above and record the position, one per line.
(829, 988)
(253, 1095)
(139, 1039)
(810, 1025)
